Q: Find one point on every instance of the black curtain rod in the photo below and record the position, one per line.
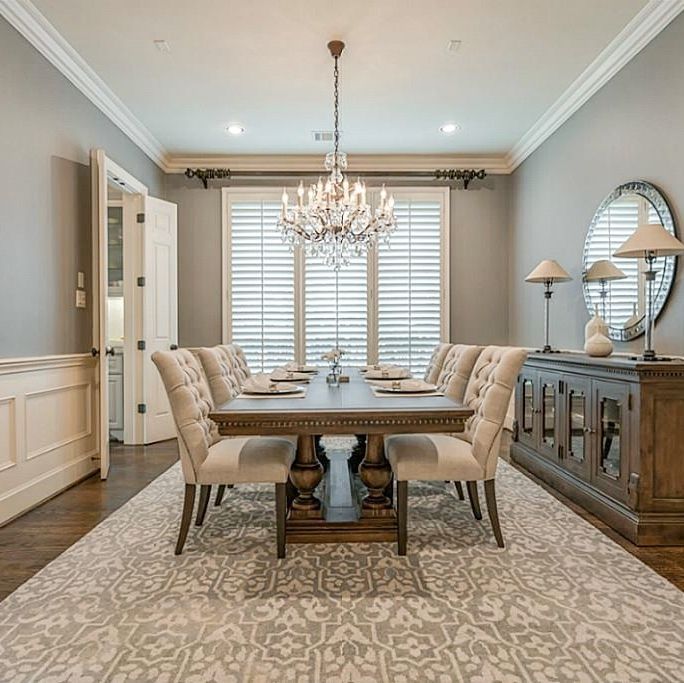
(463, 174)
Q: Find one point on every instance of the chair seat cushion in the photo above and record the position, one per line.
(430, 457)
(248, 460)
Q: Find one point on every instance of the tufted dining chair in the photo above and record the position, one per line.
(226, 369)
(472, 456)
(456, 370)
(436, 361)
(208, 459)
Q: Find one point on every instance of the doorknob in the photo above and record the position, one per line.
(174, 347)
(109, 351)
(94, 352)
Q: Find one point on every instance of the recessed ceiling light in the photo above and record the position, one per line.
(235, 129)
(449, 128)
(162, 46)
(454, 45)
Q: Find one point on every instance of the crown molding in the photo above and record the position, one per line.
(358, 163)
(640, 31)
(45, 38)
(26, 19)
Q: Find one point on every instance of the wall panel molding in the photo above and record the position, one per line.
(47, 428)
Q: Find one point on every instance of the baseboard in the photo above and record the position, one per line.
(33, 493)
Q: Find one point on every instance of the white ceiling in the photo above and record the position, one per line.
(264, 63)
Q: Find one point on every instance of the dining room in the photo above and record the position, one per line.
(341, 343)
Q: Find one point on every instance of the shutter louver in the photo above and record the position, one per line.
(409, 286)
(322, 312)
(262, 285)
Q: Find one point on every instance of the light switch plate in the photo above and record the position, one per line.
(80, 298)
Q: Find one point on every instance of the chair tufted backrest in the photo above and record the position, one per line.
(191, 403)
(488, 393)
(436, 361)
(226, 370)
(456, 370)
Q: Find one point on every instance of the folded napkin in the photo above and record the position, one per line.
(388, 372)
(284, 375)
(262, 384)
(296, 367)
(403, 385)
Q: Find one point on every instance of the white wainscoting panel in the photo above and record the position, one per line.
(47, 428)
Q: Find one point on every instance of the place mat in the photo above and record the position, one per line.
(405, 394)
(294, 394)
(282, 375)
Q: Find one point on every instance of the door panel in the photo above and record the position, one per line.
(160, 310)
(549, 413)
(527, 408)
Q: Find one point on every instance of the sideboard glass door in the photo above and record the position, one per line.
(611, 432)
(577, 432)
(549, 414)
(527, 409)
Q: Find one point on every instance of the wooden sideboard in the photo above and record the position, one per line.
(608, 433)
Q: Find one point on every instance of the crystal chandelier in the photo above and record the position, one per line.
(334, 220)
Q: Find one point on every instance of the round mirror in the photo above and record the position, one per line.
(615, 286)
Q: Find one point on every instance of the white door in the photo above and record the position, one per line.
(159, 311)
(99, 298)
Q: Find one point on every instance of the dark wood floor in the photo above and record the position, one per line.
(38, 537)
(33, 540)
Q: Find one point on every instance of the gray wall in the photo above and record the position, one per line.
(479, 248)
(47, 130)
(633, 128)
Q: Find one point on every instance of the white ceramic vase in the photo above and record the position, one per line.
(598, 345)
(595, 326)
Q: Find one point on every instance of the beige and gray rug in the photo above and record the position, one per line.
(560, 603)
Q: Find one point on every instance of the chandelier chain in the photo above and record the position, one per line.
(336, 73)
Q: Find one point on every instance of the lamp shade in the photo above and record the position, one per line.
(604, 270)
(548, 271)
(651, 238)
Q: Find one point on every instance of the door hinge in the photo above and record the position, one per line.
(561, 386)
(141, 281)
(629, 401)
(141, 345)
(142, 407)
(140, 218)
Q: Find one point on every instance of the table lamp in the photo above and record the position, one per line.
(649, 242)
(548, 272)
(603, 271)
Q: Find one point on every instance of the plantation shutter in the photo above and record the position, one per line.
(323, 312)
(262, 303)
(409, 285)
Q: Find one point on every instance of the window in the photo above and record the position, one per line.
(261, 302)
(391, 305)
(325, 313)
(409, 285)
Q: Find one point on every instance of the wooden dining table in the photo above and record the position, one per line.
(350, 408)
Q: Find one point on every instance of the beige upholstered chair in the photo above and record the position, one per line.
(456, 370)
(472, 457)
(208, 459)
(436, 361)
(226, 369)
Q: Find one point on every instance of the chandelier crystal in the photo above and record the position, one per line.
(332, 218)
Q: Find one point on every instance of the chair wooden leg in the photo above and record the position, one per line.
(490, 496)
(188, 504)
(205, 492)
(402, 517)
(291, 491)
(459, 490)
(389, 491)
(474, 499)
(219, 494)
(281, 515)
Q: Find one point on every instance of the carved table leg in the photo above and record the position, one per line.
(376, 474)
(306, 474)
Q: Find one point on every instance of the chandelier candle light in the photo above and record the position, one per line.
(332, 218)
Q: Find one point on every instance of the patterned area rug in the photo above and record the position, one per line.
(560, 603)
